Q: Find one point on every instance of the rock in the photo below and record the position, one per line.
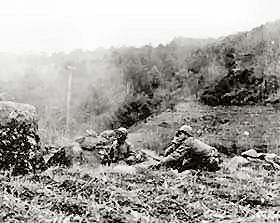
(20, 149)
(91, 143)
(20, 113)
(93, 146)
(272, 159)
(251, 153)
(68, 155)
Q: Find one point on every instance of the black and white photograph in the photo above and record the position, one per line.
(136, 111)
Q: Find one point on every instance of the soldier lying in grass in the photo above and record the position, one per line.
(121, 150)
(186, 152)
(110, 147)
(117, 149)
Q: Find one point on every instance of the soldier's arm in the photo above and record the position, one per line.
(169, 149)
(180, 153)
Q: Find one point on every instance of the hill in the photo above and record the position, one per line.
(241, 68)
(158, 89)
(136, 194)
(122, 86)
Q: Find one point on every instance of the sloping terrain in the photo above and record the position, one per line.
(221, 126)
(239, 69)
(240, 88)
(137, 194)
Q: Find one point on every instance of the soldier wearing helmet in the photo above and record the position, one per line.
(121, 134)
(181, 135)
(186, 152)
(121, 150)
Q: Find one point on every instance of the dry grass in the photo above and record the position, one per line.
(113, 194)
(215, 125)
(137, 194)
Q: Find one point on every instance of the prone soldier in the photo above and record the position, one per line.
(187, 152)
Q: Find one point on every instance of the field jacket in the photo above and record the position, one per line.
(189, 148)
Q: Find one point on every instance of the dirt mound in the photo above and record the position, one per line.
(19, 139)
(240, 87)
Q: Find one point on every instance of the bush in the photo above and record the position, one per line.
(133, 110)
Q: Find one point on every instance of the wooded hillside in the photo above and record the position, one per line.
(120, 86)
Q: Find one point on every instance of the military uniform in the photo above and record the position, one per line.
(186, 152)
(121, 150)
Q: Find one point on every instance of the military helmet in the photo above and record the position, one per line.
(122, 131)
(186, 129)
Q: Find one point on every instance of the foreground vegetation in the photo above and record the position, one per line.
(86, 193)
(122, 194)
(151, 97)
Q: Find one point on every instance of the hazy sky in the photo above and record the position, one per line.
(63, 25)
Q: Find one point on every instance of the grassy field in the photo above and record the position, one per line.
(121, 194)
(136, 194)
